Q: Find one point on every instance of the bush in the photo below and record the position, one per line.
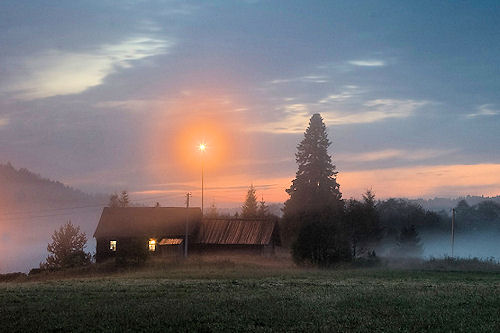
(321, 241)
(35, 271)
(407, 244)
(132, 253)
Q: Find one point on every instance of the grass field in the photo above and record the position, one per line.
(224, 296)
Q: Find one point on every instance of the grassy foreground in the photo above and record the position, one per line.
(224, 296)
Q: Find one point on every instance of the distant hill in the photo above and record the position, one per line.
(23, 189)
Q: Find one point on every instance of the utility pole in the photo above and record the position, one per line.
(452, 230)
(202, 148)
(187, 225)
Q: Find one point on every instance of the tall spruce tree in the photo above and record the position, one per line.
(315, 186)
(249, 208)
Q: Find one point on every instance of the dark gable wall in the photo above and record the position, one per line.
(134, 249)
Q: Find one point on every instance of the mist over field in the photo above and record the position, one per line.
(24, 242)
(482, 244)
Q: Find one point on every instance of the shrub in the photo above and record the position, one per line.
(132, 252)
(321, 241)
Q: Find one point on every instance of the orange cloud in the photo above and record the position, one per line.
(424, 181)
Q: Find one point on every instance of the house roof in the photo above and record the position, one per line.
(147, 221)
(236, 231)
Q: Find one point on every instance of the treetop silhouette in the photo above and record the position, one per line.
(315, 185)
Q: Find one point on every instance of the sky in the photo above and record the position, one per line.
(111, 95)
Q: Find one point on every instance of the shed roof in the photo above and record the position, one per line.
(236, 231)
(146, 221)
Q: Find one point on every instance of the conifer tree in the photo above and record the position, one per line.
(363, 222)
(249, 208)
(124, 201)
(114, 201)
(212, 211)
(262, 210)
(315, 186)
(408, 243)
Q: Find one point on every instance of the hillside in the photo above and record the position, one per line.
(21, 188)
(31, 208)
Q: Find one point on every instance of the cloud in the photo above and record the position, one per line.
(135, 104)
(346, 93)
(295, 120)
(378, 110)
(4, 121)
(302, 79)
(367, 63)
(484, 110)
(296, 116)
(395, 154)
(424, 181)
(55, 72)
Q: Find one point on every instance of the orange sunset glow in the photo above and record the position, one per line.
(194, 122)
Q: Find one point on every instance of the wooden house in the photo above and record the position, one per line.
(155, 229)
(162, 230)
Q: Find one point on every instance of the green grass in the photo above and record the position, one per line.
(224, 296)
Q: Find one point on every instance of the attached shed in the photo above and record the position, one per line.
(248, 235)
(154, 229)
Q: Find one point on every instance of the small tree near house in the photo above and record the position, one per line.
(212, 211)
(124, 201)
(262, 209)
(113, 201)
(119, 200)
(249, 208)
(67, 248)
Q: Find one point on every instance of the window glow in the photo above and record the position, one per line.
(171, 241)
(112, 245)
(152, 245)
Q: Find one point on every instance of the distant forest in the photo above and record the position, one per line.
(438, 204)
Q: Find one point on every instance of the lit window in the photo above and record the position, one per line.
(112, 245)
(152, 245)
